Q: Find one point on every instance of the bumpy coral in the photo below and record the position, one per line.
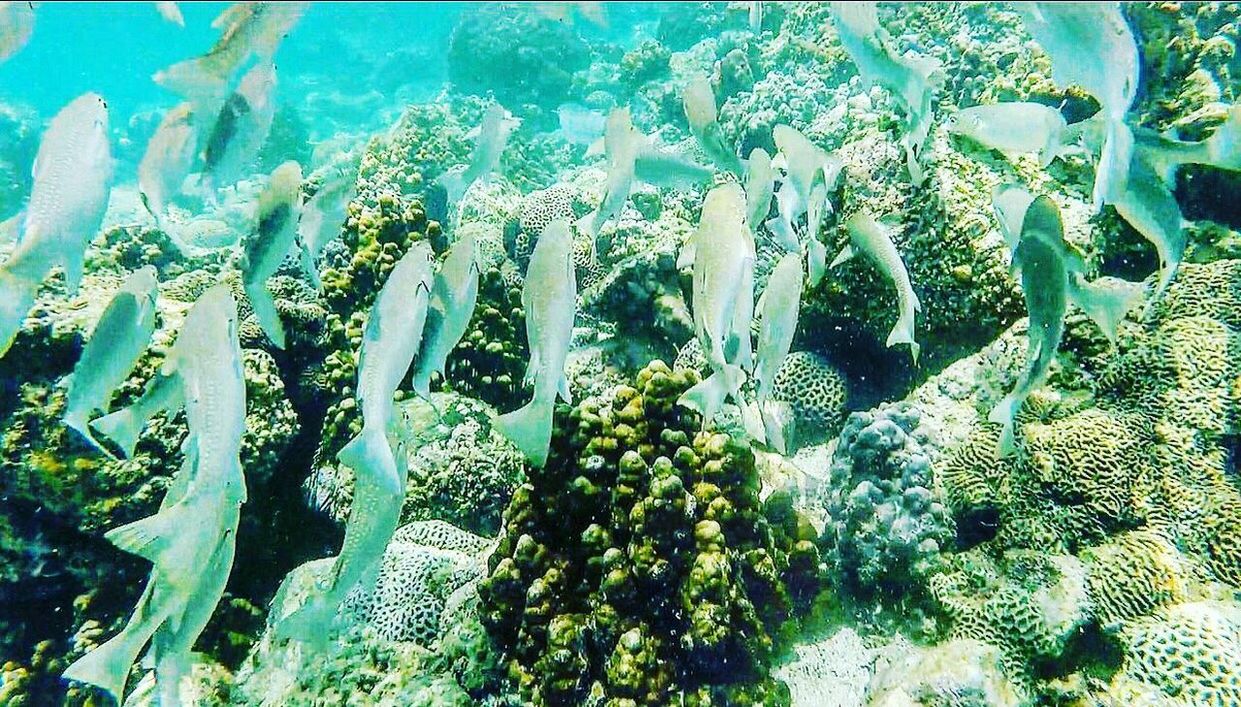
(638, 564)
(887, 526)
(521, 55)
(816, 390)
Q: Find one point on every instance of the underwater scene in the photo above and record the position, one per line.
(715, 354)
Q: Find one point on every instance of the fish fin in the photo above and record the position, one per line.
(752, 420)
(1106, 303)
(1051, 149)
(146, 537)
(78, 423)
(74, 264)
(529, 428)
(816, 261)
(845, 253)
(707, 397)
(11, 228)
(588, 223)
(782, 230)
(122, 428)
(308, 266)
(107, 666)
(685, 259)
(1112, 170)
(1005, 414)
(902, 333)
(17, 296)
(367, 451)
(1224, 146)
(264, 307)
(596, 148)
(777, 420)
(563, 390)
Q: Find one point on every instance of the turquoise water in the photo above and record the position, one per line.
(625, 354)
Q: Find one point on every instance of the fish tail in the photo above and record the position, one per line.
(816, 260)
(707, 397)
(1106, 303)
(777, 419)
(312, 272)
(17, 295)
(1113, 169)
(783, 231)
(530, 429)
(265, 312)
(368, 451)
(1224, 147)
(903, 333)
(454, 186)
(170, 670)
(122, 428)
(310, 623)
(587, 224)
(108, 665)
(77, 421)
(752, 420)
(1005, 414)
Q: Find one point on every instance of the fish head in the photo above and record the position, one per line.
(699, 101)
(964, 122)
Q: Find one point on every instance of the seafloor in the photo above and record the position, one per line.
(894, 559)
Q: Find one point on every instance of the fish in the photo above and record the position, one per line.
(1014, 128)
(812, 174)
(183, 537)
(756, 16)
(1092, 46)
(1106, 301)
(490, 139)
(1166, 154)
(118, 339)
(247, 29)
(239, 130)
(168, 159)
(778, 310)
(171, 12)
(760, 180)
(16, 27)
(549, 296)
(723, 265)
(911, 80)
(868, 236)
(1044, 283)
(579, 125)
(1147, 204)
(453, 296)
(699, 102)
(72, 180)
(630, 155)
(323, 215)
(275, 233)
(124, 427)
(393, 335)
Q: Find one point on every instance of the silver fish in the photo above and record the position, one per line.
(168, 159)
(549, 296)
(124, 427)
(394, 331)
(241, 127)
(171, 12)
(279, 208)
(118, 339)
(490, 139)
(699, 102)
(1091, 45)
(1012, 128)
(452, 306)
(812, 174)
(723, 266)
(911, 80)
(322, 218)
(778, 310)
(1149, 206)
(16, 26)
(868, 236)
(579, 125)
(760, 180)
(72, 180)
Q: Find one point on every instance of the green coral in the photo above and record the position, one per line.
(639, 563)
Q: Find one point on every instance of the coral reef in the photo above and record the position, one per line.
(817, 392)
(639, 563)
(887, 527)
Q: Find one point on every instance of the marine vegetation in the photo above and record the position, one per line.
(522, 354)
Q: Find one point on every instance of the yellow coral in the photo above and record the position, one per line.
(1133, 574)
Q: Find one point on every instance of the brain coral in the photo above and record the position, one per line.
(1133, 574)
(1188, 654)
(817, 391)
(887, 526)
